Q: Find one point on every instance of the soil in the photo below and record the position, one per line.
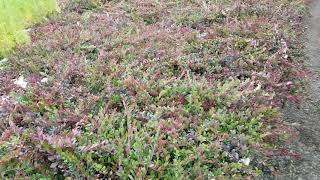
(305, 118)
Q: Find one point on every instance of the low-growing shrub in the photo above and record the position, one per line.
(151, 90)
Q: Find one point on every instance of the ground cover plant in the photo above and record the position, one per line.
(16, 16)
(152, 90)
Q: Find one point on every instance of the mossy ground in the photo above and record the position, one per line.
(152, 89)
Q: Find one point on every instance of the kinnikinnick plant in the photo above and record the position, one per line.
(151, 90)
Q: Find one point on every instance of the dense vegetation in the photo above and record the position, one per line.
(16, 15)
(152, 89)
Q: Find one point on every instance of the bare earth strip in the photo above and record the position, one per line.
(306, 118)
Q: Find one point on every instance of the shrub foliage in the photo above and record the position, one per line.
(151, 90)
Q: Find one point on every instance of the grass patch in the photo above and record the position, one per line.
(16, 16)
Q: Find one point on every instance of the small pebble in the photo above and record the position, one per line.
(245, 161)
(44, 80)
(21, 82)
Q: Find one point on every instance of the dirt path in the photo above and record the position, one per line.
(306, 118)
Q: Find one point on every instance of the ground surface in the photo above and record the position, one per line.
(306, 118)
